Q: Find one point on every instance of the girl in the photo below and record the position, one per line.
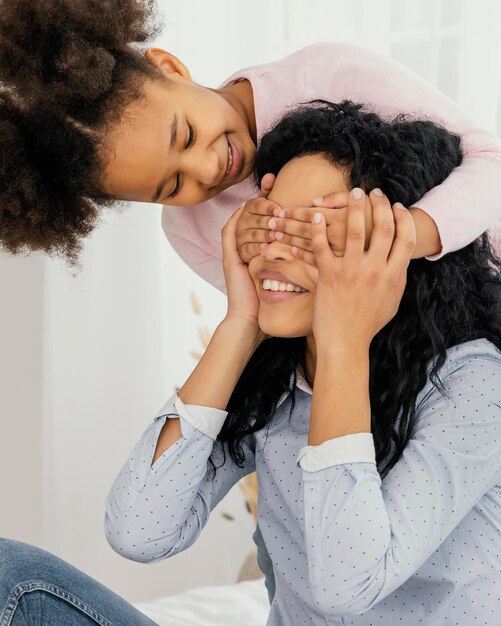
(371, 413)
(87, 120)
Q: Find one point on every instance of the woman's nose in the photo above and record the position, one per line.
(276, 251)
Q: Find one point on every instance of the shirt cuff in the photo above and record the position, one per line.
(354, 448)
(206, 419)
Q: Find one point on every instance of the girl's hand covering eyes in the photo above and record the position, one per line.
(295, 228)
(243, 302)
(252, 227)
(359, 293)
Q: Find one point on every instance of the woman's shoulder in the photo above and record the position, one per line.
(472, 367)
(477, 350)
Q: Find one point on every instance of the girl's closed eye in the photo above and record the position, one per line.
(191, 136)
(191, 140)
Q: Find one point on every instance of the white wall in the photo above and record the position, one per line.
(87, 360)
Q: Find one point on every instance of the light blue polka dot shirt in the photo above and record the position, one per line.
(421, 547)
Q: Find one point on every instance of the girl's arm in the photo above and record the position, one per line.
(449, 216)
(467, 202)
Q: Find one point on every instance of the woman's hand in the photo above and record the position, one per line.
(295, 227)
(359, 293)
(252, 227)
(243, 301)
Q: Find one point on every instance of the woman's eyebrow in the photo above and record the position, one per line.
(173, 137)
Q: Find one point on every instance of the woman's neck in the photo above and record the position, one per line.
(310, 359)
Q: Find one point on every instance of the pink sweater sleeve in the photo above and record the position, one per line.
(182, 239)
(468, 202)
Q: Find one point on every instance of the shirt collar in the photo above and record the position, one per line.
(300, 384)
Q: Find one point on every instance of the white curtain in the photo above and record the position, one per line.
(88, 357)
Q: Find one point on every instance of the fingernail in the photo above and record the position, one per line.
(262, 245)
(399, 205)
(281, 213)
(356, 193)
(317, 218)
(294, 250)
(377, 192)
(272, 223)
(318, 200)
(279, 236)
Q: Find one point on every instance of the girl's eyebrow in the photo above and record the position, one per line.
(173, 132)
(173, 137)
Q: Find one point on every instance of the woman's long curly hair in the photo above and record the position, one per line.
(446, 302)
(67, 70)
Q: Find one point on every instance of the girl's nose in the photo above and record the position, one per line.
(205, 167)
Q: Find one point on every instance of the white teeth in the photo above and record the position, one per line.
(275, 285)
(230, 159)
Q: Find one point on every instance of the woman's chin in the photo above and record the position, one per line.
(278, 328)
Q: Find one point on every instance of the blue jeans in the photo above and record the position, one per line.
(38, 589)
(264, 562)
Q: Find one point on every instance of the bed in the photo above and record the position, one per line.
(244, 603)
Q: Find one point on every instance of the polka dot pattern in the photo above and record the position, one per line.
(423, 546)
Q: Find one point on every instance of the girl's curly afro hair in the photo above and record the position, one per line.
(67, 70)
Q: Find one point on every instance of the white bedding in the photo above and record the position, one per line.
(244, 604)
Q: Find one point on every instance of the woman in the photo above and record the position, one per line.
(369, 483)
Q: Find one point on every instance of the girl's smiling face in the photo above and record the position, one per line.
(182, 143)
(290, 313)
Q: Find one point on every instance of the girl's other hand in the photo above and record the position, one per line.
(252, 227)
(295, 227)
(359, 293)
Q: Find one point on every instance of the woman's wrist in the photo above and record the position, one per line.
(216, 374)
(340, 349)
(241, 330)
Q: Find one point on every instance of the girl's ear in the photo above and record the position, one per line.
(167, 62)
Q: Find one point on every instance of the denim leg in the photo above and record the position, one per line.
(37, 589)
(264, 562)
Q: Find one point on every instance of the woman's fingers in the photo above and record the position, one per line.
(335, 200)
(303, 255)
(355, 227)
(325, 260)
(384, 227)
(405, 240)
